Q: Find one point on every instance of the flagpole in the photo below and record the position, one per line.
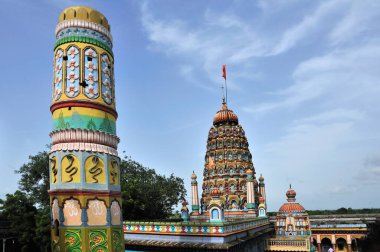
(225, 83)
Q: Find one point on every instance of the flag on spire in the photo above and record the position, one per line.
(224, 75)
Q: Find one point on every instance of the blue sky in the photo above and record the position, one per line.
(303, 78)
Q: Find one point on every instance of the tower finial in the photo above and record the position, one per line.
(290, 186)
(223, 97)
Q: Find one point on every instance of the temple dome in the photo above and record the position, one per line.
(291, 205)
(225, 115)
(84, 13)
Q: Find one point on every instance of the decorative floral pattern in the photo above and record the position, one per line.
(57, 89)
(106, 79)
(72, 72)
(91, 73)
(98, 240)
(117, 241)
(73, 240)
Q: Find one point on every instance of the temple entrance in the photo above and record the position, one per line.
(325, 244)
(341, 245)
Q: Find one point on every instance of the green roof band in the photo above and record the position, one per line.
(83, 40)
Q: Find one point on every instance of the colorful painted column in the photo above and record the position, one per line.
(84, 190)
(262, 189)
(194, 195)
(251, 206)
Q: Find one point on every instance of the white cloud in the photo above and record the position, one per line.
(359, 19)
(308, 25)
(340, 76)
(228, 38)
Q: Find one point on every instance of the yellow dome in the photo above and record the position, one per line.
(85, 14)
(193, 176)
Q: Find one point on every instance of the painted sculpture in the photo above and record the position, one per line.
(84, 190)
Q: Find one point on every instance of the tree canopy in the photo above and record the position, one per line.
(145, 195)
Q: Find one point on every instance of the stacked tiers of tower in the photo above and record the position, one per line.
(84, 164)
(228, 171)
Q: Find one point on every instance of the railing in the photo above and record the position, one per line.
(277, 244)
(193, 227)
(358, 225)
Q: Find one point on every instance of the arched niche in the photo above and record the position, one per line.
(96, 212)
(72, 213)
(113, 170)
(94, 167)
(55, 210)
(72, 72)
(115, 213)
(70, 169)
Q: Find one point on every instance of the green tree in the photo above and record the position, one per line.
(146, 194)
(35, 178)
(20, 211)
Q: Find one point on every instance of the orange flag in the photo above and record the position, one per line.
(224, 75)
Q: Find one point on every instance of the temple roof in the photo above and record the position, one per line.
(225, 115)
(84, 13)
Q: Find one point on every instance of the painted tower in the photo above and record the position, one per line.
(229, 168)
(84, 190)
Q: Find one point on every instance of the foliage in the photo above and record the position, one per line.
(146, 194)
(35, 178)
(343, 210)
(20, 211)
(371, 242)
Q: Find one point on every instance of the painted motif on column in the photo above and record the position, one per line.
(94, 167)
(72, 72)
(84, 118)
(53, 170)
(113, 168)
(58, 74)
(70, 169)
(115, 213)
(117, 240)
(96, 213)
(91, 73)
(98, 240)
(106, 79)
(73, 240)
(72, 213)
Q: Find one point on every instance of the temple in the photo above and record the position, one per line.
(292, 227)
(84, 190)
(231, 213)
(229, 174)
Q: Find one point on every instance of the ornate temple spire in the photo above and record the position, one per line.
(227, 162)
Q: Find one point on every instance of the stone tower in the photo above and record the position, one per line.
(84, 190)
